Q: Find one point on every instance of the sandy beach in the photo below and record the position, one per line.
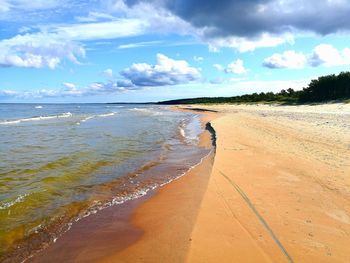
(277, 189)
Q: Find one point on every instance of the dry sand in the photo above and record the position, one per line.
(279, 191)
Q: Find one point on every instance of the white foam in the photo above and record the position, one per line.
(11, 203)
(149, 111)
(38, 118)
(39, 107)
(188, 130)
(115, 106)
(182, 132)
(97, 116)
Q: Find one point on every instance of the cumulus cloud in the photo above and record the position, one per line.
(245, 25)
(155, 17)
(288, 59)
(57, 42)
(52, 43)
(245, 44)
(322, 55)
(159, 18)
(37, 51)
(242, 25)
(235, 67)
(165, 72)
(327, 55)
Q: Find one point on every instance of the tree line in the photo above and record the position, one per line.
(322, 89)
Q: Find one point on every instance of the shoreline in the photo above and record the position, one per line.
(103, 228)
(275, 191)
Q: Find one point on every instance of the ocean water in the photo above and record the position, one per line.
(59, 163)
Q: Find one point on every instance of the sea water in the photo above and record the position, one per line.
(61, 162)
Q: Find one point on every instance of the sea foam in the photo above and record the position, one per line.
(37, 118)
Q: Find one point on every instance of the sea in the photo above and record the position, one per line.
(62, 162)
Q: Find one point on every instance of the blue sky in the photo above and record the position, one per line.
(134, 50)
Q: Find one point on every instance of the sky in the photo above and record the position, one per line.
(67, 51)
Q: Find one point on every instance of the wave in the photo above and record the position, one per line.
(6, 205)
(37, 118)
(150, 111)
(186, 133)
(115, 106)
(38, 107)
(96, 116)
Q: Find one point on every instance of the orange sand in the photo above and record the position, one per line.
(279, 191)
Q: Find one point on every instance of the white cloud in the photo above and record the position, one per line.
(327, 55)
(218, 67)
(198, 59)
(29, 61)
(117, 28)
(8, 94)
(108, 73)
(157, 18)
(322, 55)
(37, 51)
(116, 20)
(140, 44)
(165, 72)
(54, 43)
(94, 17)
(236, 67)
(69, 86)
(244, 44)
(288, 59)
(72, 90)
(7, 5)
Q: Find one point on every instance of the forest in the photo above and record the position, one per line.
(325, 88)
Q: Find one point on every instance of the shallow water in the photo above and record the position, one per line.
(59, 163)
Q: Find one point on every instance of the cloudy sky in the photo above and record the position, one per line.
(134, 50)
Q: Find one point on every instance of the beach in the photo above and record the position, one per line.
(276, 188)
(278, 191)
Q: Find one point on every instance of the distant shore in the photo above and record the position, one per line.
(277, 190)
